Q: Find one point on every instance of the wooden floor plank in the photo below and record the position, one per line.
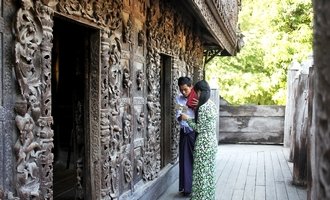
(270, 181)
(240, 169)
(291, 190)
(220, 165)
(253, 164)
(241, 179)
(223, 179)
(260, 180)
(287, 175)
(249, 188)
(237, 195)
(281, 191)
(229, 187)
(260, 193)
(278, 176)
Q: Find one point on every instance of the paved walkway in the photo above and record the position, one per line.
(251, 172)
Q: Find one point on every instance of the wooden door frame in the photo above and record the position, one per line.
(93, 151)
(166, 105)
(92, 107)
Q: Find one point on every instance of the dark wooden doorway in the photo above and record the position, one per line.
(70, 82)
(166, 104)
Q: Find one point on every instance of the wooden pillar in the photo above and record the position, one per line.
(321, 172)
(289, 108)
(216, 99)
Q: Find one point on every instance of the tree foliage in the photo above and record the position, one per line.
(275, 34)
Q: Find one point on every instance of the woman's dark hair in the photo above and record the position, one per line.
(205, 90)
(184, 80)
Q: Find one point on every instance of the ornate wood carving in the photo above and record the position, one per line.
(127, 30)
(127, 170)
(141, 38)
(111, 138)
(175, 137)
(139, 79)
(33, 31)
(105, 13)
(152, 146)
(127, 83)
(217, 15)
(113, 145)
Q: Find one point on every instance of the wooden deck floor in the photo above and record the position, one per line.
(251, 172)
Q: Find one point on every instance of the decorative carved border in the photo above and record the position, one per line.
(221, 27)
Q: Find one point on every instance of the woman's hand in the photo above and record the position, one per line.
(194, 102)
(184, 116)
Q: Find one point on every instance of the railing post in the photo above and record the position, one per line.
(289, 108)
(216, 99)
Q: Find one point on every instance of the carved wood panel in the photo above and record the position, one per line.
(124, 128)
(33, 147)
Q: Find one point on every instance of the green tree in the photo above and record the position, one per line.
(276, 33)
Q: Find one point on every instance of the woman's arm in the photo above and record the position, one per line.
(202, 117)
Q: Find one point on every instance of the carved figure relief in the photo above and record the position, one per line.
(113, 128)
(126, 78)
(32, 29)
(139, 79)
(141, 38)
(28, 33)
(115, 68)
(140, 122)
(103, 13)
(127, 133)
(114, 175)
(79, 136)
(105, 61)
(141, 6)
(27, 150)
(127, 170)
(152, 148)
(80, 175)
(127, 31)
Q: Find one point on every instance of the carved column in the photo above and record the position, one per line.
(152, 146)
(33, 30)
(45, 14)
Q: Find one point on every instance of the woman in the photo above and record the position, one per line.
(203, 186)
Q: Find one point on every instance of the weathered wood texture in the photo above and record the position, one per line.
(7, 91)
(321, 129)
(255, 124)
(215, 98)
(299, 134)
(311, 136)
(289, 107)
(298, 120)
(256, 172)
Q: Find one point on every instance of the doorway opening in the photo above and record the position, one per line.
(166, 103)
(70, 82)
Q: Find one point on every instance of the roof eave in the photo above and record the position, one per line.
(219, 28)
